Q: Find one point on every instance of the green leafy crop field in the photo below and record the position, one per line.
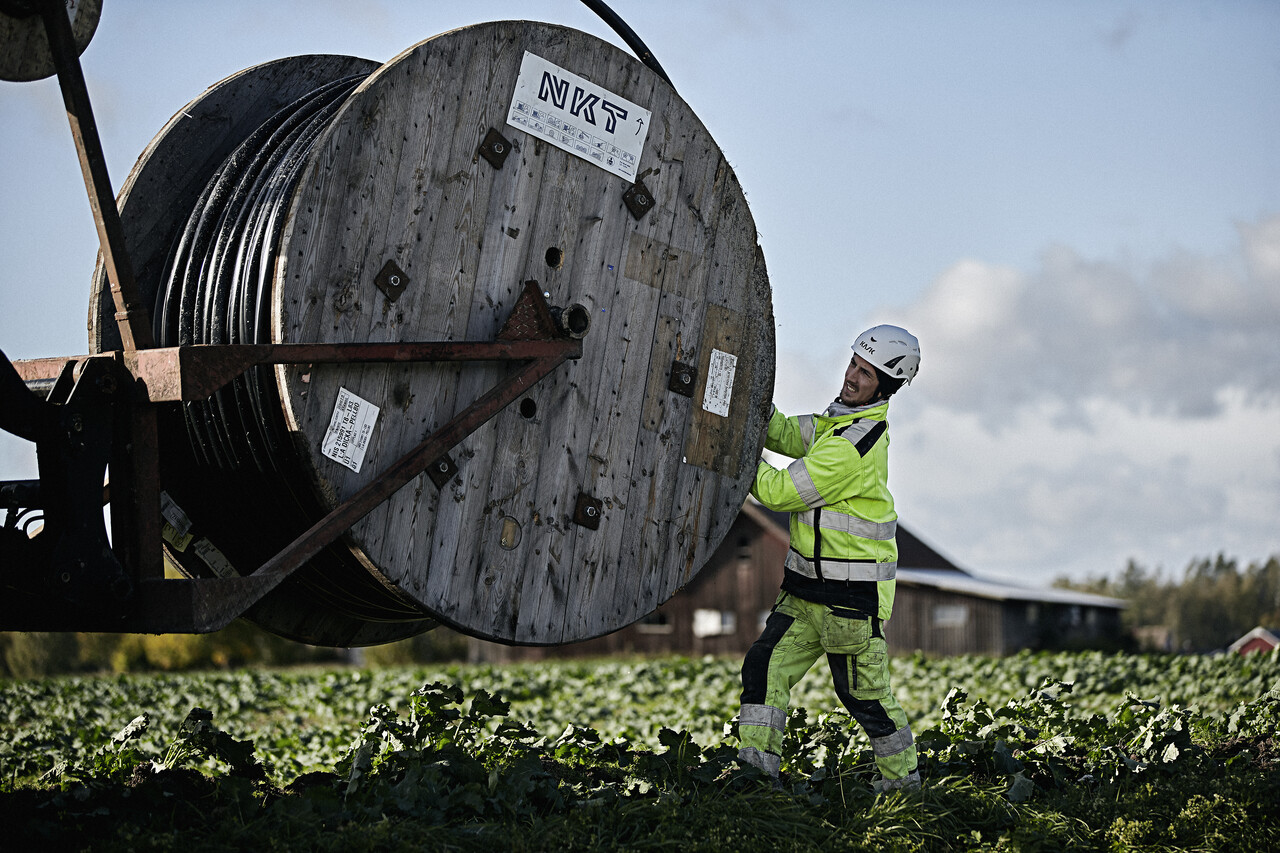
(1033, 752)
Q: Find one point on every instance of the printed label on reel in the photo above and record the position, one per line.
(720, 373)
(349, 431)
(575, 114)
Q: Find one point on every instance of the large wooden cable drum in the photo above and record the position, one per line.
(239, 518)
(607, 486)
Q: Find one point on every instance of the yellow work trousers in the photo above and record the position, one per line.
(796, 633)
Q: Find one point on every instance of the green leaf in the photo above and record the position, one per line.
(1020, 788)
(137, 726)
(1004, 760)
(196, 727)
(933, 740)
(361, 762)
(486, 704)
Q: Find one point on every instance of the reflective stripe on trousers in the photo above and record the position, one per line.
(909, 782)
(894, 743)
(766, 761)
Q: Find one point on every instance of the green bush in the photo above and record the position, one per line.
(591, 756)
(34, 654)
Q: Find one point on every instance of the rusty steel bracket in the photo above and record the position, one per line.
(193, 372)
(208, 604)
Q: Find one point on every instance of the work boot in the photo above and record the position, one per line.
(910, 782)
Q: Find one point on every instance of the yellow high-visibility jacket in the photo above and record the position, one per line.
(843, 524)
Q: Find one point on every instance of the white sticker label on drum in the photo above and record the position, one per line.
(349, 429)
(575, 114)
(720, 383)
(173, 514)
(214, 559)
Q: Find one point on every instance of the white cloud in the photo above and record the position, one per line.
(1074, 416)
(1165, 340)
(1078, 415)
(1262, 252)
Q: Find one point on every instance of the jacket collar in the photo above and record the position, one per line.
(840, 410)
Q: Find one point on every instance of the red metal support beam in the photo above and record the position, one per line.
(170, 374)
(209, 604)
(531, 334)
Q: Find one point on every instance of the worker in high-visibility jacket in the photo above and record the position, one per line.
(838, 586)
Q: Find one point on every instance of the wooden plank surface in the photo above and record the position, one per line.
(397, 177)
(27, 54)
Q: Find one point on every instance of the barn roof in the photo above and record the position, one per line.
(1270, 636)
(967, 584)
(920, 565)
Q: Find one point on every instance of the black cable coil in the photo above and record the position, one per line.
(217, 289)
(217, 286)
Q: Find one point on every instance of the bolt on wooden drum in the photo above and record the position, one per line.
(453, 175)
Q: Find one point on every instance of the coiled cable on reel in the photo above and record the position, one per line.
(217, 286)
(217, 289)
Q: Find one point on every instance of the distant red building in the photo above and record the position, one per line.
(1260, 640)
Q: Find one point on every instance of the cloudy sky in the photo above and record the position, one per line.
(1075, 205)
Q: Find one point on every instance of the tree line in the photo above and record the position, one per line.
(1206, 608)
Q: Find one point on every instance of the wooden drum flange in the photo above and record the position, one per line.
(236, 523)
(609, 483)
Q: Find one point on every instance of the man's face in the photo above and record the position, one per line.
(860, 383)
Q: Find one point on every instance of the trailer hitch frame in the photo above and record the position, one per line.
(121, 587)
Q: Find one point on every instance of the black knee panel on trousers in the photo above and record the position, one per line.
(755, 667)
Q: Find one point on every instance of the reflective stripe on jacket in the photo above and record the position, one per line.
(843, 523)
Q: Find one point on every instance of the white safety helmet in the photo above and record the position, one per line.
(892, 350)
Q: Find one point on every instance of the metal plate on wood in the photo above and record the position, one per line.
(683, 377)
(638, 199)
(587, 512)
(391, 280)
(470, 236)
(494, 148)
(442, 471)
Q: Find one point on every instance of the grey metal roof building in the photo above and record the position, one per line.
(940, 608)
